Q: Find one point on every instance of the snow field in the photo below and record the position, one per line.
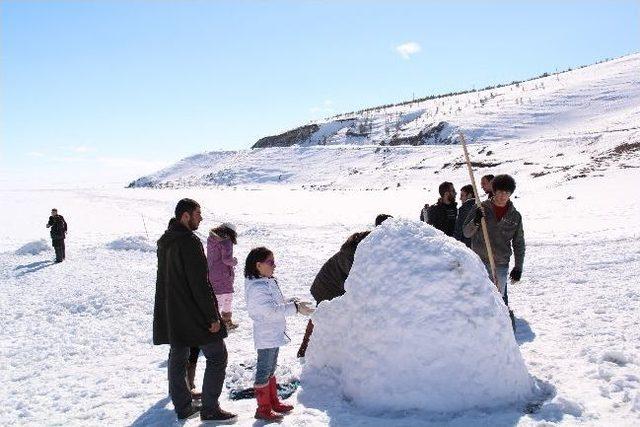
(76, 336)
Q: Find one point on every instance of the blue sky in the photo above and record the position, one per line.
(108, 90)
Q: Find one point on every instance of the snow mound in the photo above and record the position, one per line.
(34, 248)
(132, 243)
(420, 327)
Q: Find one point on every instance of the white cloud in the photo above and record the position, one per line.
(407, 49)
(82, 149)
(35, 154)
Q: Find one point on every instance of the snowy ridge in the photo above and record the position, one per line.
(596, 108)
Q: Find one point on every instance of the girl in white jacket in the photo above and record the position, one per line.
(268, 308)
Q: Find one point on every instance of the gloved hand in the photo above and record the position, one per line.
(478, 217)
(305, 308)
(515, 274)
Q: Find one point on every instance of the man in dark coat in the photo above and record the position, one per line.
(468, 202)
(443, 214)
(186, 314)
(329, 282)
(58, 232)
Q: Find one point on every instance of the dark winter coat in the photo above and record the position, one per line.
(503, 235)
(462, 216)
(443, 217)
(58, 227)
(184, 307)
(329, 282)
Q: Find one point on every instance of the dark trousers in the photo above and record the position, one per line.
(216, 355)
(58, 246)
(194, 352)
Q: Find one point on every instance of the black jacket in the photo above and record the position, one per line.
(329, 283)
(185, 305)
(58, 227)
(443, 217)
(462, 216)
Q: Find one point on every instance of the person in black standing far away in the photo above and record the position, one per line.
(186, 315)
(443, 214)
(58, 232)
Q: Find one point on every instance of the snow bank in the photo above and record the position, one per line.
(34, 248)
(132, 243)
(420, 327)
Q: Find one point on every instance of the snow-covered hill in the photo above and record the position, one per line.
(560, 127)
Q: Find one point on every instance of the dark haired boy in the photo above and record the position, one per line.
(504, 226)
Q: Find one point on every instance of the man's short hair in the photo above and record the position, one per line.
(186, 205)
(468, 189)
(503, 183)
(444, 187)
(488, 177)
(54, 209)
(381, 218)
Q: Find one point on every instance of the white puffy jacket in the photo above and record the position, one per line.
(267, 308)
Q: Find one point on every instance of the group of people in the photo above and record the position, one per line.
(503, 221)
(194, 291)
(192, 313)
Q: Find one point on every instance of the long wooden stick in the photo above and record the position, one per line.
(483, 223)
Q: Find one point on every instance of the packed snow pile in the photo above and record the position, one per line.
(420, 327)
(132, 243)
(34, 248)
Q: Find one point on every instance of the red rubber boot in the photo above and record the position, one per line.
(264, 412)
(276, 405)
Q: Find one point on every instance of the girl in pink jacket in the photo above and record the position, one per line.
(221, 268)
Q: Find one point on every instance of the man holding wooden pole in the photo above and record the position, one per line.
(504, 226)
(501, 229)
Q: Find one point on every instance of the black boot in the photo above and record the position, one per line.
(189, 411)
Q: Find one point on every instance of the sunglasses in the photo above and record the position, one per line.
(271, 262)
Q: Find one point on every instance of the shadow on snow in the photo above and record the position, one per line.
(32, 268)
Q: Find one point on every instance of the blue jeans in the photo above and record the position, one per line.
(266, 366)
(502, 271)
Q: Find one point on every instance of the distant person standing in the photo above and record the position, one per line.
(58, 233)
(504, 226)
(467, 200)
(485, 183)
(186, 315)
(443, 214)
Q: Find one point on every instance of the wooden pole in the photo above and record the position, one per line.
(145, 226)
(483, 223)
